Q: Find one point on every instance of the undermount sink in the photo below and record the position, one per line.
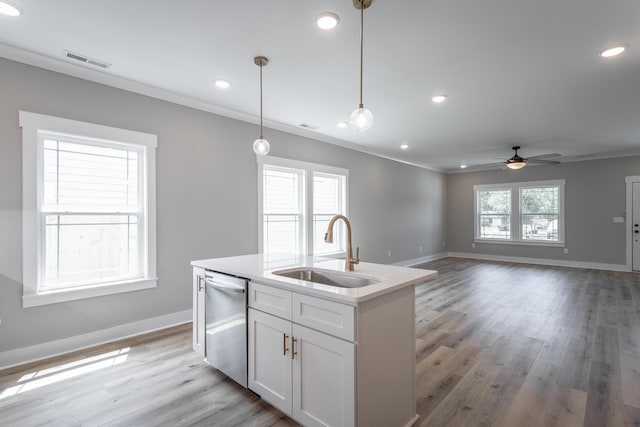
(328, 277)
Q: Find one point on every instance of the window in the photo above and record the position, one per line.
(297, 201)
(328, 201)
(526, 212)
(89, 209)
(283, 210)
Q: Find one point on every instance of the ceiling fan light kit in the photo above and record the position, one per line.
(516, 162)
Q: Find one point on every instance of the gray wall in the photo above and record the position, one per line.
(206, 198)
(595, 192)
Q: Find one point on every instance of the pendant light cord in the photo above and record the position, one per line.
(361, 47)
(261, 101)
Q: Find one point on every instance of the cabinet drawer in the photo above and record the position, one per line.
(270, 300)
(327, 316)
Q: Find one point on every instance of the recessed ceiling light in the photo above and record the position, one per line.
(439, 98)
(223, 84)
(463, 166)
(342, 125)
(614, 51)
(327, 21)
(10, 9)
(404, 146)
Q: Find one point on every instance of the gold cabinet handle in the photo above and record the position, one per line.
(293, 348)
(200, 287)
(284, 344)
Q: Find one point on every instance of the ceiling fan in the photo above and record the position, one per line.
(518, 162)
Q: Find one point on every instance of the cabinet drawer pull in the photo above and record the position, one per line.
(293, 348)
(284, 344)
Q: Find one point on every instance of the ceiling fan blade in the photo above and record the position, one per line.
(545, 156)
(486, 166)
(543, 162)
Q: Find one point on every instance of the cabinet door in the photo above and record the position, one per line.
(198, 311)
(323, 379)
(270, 359)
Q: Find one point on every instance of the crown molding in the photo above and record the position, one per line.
(62, 66)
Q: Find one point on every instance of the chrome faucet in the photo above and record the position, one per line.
(328, 237)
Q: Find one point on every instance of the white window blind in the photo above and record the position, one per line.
(328, 200)
(283, 210)
(91, 212)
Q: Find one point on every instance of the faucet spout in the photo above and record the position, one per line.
(350, 261)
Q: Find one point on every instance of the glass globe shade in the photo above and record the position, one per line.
(516, 165)
(361, 119)
(261, 147)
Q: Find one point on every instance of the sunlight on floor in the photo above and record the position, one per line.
(37, 379)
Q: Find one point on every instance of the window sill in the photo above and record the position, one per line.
(54, 297)
(522, 242)
(333, 254)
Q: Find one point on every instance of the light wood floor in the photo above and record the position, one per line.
(498, 344)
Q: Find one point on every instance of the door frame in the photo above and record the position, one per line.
(629, 218)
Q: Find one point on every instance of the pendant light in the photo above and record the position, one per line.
(361, 119)
(261, 146)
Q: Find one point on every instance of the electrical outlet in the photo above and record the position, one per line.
(420, 248)
(473, 245)
(566, 250)
(444, 244)
(389, 253)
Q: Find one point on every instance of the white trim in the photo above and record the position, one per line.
(541, 261)
(34, 121)
(33, 125)
(299, 164)
(32, 300)
(49, 349)
(629, 180)
(521, 242)
(421, 260)
(416, 417)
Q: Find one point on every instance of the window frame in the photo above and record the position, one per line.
(308, 169)
(33, 127)
(516, 212)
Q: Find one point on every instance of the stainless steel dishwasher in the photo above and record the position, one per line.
(226, 325)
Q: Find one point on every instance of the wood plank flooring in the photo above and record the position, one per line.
(502, 344)
(498, 344)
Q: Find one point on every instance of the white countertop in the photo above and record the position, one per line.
(260, 268)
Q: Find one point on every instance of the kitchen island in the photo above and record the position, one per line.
(326, 354)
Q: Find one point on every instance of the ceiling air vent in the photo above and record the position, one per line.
(308, 126)
(86, 60)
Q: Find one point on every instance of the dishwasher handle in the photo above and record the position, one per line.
(223, 288)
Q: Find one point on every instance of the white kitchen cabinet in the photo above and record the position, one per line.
(323, 379)
(270, 359)
(198, 311)
(308, 375)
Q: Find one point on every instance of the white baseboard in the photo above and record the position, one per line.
(542, 261)
(45, 350)
(421, 260)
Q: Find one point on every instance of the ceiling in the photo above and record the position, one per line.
(516, 72)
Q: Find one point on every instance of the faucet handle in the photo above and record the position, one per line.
(356, 260)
